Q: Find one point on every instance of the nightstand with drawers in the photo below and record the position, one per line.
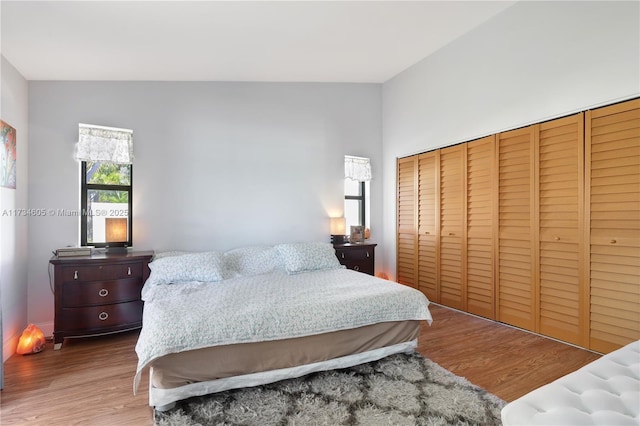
(358, 256)
(98, 294)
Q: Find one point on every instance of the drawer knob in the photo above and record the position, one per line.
(103, 292)
(129, 270)
(356, 268)
(75, 275)
(342, 254)
(452, 233)
(426, 232)
(557, 238)
(368, 254)
(103, 316)
(613, 241)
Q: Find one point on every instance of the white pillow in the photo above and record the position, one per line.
(205, 267)
(312, 256)
(248, 261)
(169, 254)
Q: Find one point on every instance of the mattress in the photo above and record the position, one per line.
(603, 392)
(198, 372)
(220, 362)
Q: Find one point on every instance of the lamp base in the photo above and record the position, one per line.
(116, 250)
(338, 239)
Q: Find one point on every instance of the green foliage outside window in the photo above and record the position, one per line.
(109, 174)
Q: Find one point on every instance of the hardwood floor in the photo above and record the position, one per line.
(506, 361)
(90, 381)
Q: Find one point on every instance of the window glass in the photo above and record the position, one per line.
(352, 187)
(107, 216)
(106, 204)
(108, 173)
(352, 213)
(355, 203)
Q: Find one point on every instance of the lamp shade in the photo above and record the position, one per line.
(115, 230)
(338, 226)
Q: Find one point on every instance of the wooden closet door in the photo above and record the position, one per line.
(428, 224)
(479, 225)
(613, 219)
(406, 204)
(563, 300)
(452, 213)
(516, 241)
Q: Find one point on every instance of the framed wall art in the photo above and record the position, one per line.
(357, 234)
(7, 156)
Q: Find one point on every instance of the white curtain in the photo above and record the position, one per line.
(357, 168)
(109, 144)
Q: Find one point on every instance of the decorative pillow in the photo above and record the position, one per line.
(248, 261)
(205, 267)
(312, 256)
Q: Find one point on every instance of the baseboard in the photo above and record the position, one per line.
(9, 346)
(47, 328)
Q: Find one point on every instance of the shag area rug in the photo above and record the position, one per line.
(402, 389)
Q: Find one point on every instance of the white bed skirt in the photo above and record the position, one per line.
(164, 399)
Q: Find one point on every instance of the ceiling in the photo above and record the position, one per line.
(310, 41)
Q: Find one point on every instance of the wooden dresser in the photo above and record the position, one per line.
(359, 257)
(98, 294)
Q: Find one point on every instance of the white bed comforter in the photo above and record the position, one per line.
(273, 306)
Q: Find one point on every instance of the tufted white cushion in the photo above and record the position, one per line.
(603, 392)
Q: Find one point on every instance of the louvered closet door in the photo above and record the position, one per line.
(406, 262)
(516, 273)
(428, 204)
(479, 241)
(452, 212)
(562, 298)
(613, 175)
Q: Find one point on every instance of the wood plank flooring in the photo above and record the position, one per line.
(90, 381)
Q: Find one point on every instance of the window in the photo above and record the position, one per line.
(106, 190)
(354, 203)
(357, 172)
(106, 195)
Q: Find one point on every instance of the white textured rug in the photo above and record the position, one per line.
(402, 389)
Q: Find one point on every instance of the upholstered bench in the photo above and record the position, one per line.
(603, 392)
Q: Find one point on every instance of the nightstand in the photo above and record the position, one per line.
(359, 257)
(98, 294)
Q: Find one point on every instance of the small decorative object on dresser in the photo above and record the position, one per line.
(359, 257)
(98, 294)
(357, 234)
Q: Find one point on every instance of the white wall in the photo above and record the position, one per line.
(534, 61)
(217, 165)
(14, 230)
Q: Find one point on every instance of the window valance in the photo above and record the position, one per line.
(357, 168)
(109, 144)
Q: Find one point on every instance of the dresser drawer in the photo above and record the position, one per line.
(359, 257)
(102, 272)
(352, 254)
(360, 266)
(96, 317)
(77, 294)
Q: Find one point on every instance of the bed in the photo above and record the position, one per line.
(217, 321)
